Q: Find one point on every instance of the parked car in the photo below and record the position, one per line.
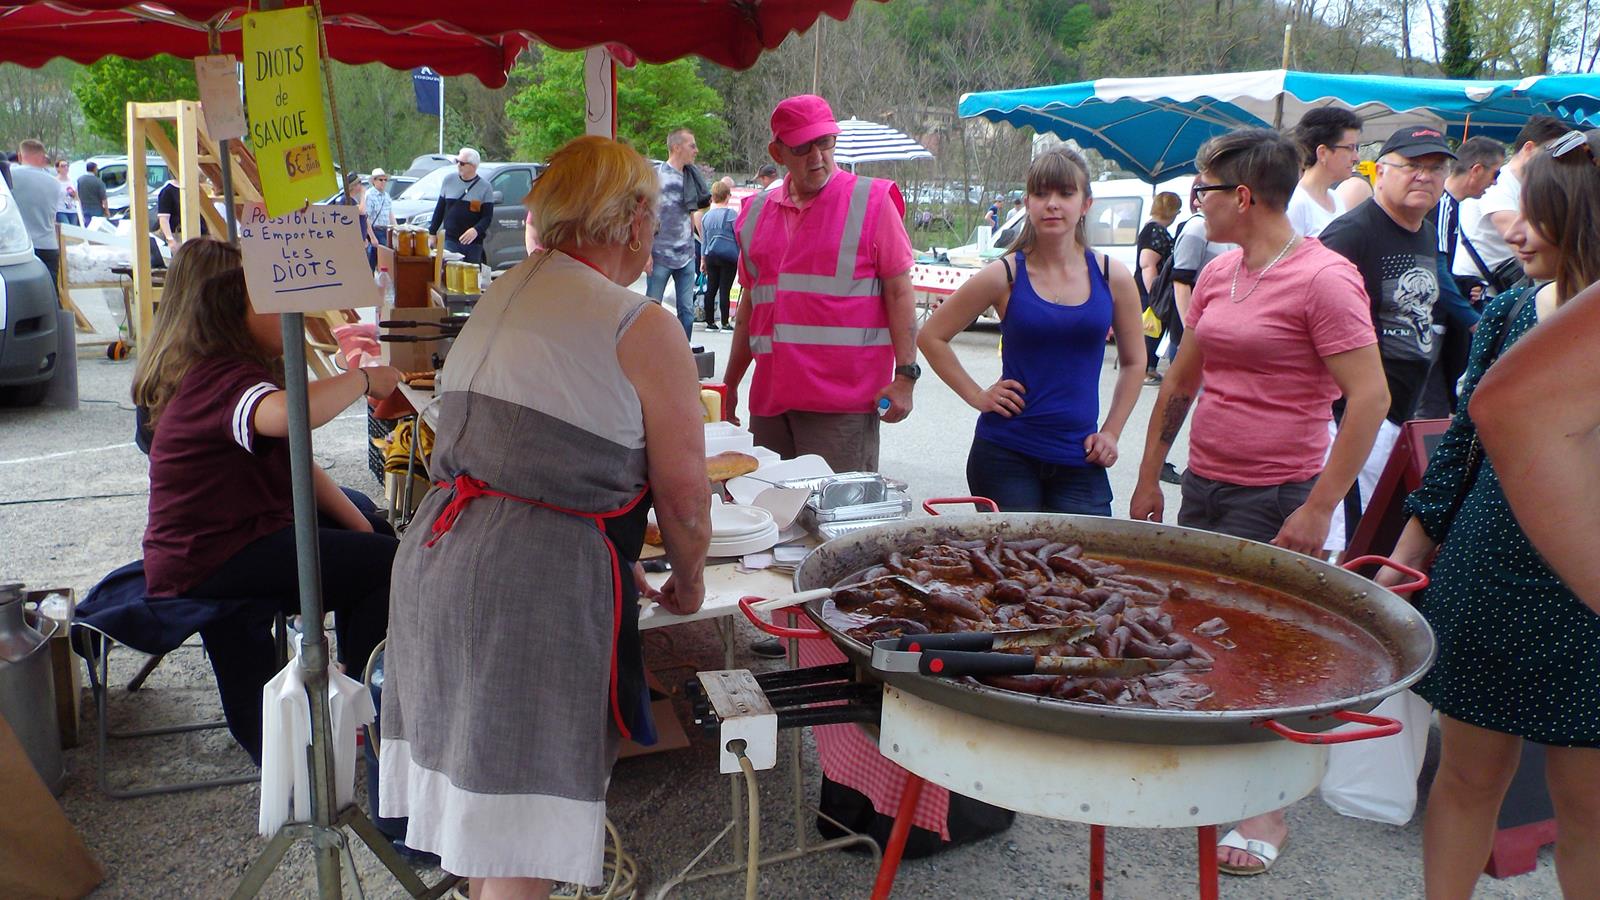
(27, 311)
(113, 170)
(503, 245)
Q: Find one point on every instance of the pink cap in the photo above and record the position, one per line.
(802, 118)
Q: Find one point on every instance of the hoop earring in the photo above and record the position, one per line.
(634, 246)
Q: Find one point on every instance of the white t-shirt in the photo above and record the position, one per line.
(1505, 195)
(1308, 216)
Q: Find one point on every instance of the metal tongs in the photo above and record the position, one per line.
(976, 653)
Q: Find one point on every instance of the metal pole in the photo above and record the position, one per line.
(1277, 115)
(313, 646)
(214, 44)
(816, 56)
(441, 112)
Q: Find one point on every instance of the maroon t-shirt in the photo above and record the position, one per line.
(215, 485)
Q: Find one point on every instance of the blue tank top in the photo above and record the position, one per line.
(1056, 352)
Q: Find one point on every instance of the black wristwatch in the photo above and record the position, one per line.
(912, 371)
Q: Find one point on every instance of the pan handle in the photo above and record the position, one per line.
(980, 502)
(745, 604)
(1402, 589)
(1383, 726)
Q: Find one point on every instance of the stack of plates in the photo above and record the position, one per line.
(738, 530)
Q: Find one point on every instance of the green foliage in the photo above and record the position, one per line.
(39, 103)
(651, 102)
(105, 88)
(1457, 60)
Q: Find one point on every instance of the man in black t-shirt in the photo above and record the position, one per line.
(169, 211)
(1398, 257)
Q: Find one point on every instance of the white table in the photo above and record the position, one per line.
(725, 584)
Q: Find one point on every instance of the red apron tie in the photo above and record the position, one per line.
(469, 489)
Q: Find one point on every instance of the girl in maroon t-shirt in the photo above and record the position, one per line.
(220, 517)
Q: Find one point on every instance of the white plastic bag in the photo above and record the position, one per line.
(286, 732)
(1377, 779)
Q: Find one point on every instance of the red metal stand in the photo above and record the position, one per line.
(1097, 862)
(1516, 850)
(1207, 838)
(897, 837)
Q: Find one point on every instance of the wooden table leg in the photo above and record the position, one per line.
(897, 837)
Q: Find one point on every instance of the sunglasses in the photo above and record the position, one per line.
(1569, 142)
(825, 142)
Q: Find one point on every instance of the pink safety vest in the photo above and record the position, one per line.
(819, 330)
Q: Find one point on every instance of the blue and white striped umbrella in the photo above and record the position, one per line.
(1153, 126)
(861, 142)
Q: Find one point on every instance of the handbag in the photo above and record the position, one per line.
(1152, 323)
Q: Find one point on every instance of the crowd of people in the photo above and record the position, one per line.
(1309, 324)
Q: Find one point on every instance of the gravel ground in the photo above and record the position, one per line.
(72, 502)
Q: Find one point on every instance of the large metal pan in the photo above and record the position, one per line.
(1392, 621)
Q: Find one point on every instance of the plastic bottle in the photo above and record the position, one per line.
(385, 283)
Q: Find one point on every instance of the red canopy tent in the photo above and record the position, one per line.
(731, 33)
(33, 34)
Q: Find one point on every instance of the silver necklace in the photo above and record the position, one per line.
(1233, 289)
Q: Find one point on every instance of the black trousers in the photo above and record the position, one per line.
(719, 285)
(355, 587)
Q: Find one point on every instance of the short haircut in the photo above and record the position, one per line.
(720, 191)
(591, 192)
(1477, 151)
(1322, 127)
(1165, 206)
(1540, 129)
(678, 137)
(30, 146)
(91, 166)
(1259, 158)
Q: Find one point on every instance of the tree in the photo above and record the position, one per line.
(651, 102)
(38, 103)
(105, 88)
(1457, 60)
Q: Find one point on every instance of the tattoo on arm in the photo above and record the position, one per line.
(1172, 417)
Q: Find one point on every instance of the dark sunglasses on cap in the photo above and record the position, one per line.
(1569, 142)
(825, 142)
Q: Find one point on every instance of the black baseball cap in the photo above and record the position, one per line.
(1416, 140)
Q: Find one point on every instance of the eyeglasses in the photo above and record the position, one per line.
(1353, 148)
(825, 142)
(1569, 142)
(1434, 171)
(1205, 188)
(462, 162)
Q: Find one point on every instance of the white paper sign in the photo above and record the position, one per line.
(307, 261)
(218, 80)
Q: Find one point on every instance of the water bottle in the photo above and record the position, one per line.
(385, 283)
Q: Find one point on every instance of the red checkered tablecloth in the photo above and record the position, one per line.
(850, 757)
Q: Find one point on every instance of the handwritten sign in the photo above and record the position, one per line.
(307, 261)
(283, 91)
(218, 80)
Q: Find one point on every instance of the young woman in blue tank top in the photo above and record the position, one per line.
(1040, 444)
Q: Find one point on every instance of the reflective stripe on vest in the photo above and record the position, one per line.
(842, 283)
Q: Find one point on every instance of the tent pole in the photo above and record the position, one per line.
(214, 44)
(1277, 115)
(441, 112)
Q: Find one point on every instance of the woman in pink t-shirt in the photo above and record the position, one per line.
(1279, 329)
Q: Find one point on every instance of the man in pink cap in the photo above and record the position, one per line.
(827, 314)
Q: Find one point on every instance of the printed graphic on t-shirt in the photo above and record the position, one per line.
(1405, 312)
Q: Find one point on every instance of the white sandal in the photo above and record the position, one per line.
(1267, 853)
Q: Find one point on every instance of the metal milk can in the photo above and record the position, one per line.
(27, 687)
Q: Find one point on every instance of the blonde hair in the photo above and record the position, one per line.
(1165, 206)
(720, 192)
(591, 193)
(203, 314)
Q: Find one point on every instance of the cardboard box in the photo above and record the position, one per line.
(412, 356)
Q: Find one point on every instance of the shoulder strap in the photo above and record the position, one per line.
(1105, 267)
(1007, 263)
(1473, 252)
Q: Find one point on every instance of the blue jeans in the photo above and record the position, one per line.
(655, 287)
(1021, 483)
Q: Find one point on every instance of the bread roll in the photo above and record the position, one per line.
(730, 464)
(652, 535)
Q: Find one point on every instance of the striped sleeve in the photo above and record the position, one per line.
(244, 411)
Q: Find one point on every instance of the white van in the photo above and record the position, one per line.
(1120, 209)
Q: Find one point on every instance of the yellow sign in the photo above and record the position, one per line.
(283, 96)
